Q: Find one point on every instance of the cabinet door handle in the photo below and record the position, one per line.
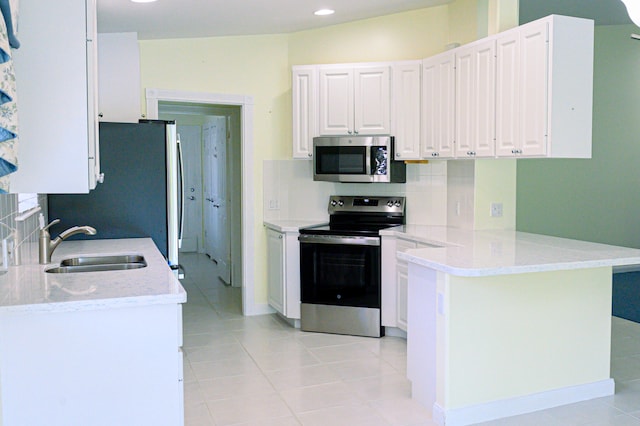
(435, 154)
(310, 154)
(397, 154)
(471, 153)
(279, 237)
(355, 131)
(349, 131)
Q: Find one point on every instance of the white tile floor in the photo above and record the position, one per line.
(260, 371)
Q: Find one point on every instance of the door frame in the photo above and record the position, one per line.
(153, 96)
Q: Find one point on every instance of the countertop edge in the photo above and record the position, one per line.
(287, 226)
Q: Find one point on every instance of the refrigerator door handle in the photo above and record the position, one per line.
(181, 184)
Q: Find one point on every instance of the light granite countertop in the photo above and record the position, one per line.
(28, 288)
(484, 253)
(291, 225)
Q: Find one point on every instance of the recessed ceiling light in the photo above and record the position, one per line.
(324, 12)
(143, 1)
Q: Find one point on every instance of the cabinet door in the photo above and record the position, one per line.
(372, 101)
(95, 176)
(438, 111)
(508, 94)
(464, 103)
(475, 100)
(533, 83)
(336, 102)
(55, 98)
(406, 110)
(403, 285)
(276, 270)
(304, 93)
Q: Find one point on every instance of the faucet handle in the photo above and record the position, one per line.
(53, 222)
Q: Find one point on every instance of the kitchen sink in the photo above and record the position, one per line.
(99, 263)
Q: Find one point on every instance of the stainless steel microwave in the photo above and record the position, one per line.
(365, 159)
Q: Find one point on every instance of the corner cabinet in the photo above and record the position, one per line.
(354, 100)
(56, 78)
(283, 272)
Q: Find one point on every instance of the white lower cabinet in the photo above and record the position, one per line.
(99, 366)
(283, 271)
(395, 280)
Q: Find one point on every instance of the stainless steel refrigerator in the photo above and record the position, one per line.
(141, 195)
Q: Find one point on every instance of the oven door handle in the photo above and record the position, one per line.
(339, 239)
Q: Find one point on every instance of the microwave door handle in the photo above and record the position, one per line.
(369, 160)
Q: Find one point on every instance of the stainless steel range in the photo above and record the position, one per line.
(340, 265)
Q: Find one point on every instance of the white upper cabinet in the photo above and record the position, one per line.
(475, 100)
(405, 109)
(354, 100)
(304, 89)
(119, 83)
(545, 89)
(56, 80)
(438, 106)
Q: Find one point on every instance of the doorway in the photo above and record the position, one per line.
(242, 270)
(209, 136)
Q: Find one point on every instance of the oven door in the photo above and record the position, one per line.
(340, 270)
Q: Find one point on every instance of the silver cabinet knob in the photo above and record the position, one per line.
(192, 198)
(310, 154)
(435, 154)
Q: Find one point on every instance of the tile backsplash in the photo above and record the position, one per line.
(19, 216)
(290, 192)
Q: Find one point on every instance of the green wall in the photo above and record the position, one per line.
(597, 199)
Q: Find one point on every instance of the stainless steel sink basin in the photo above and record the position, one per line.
(103, 260)
(99, 263)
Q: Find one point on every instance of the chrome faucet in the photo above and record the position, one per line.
(47, 246)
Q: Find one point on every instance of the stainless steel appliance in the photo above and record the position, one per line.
(365, 159)
(142, 191)
(340, 263)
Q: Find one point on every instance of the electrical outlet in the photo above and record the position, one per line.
(273, 205)
(496, 209)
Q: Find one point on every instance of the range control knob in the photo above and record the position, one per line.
(340, 203)
(334, 203)
(390, 203)
(397, 203)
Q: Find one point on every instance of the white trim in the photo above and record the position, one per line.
(249, 306)
(522, 404)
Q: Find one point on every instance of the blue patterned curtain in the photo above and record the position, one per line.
(8, 105)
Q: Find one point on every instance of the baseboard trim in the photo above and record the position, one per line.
(395, 332)
(521, 405)
(260, 309)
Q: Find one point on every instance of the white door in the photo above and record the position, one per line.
(191, 141)
(207, 207)
(216, 224)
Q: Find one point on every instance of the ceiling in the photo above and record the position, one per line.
(208, 18)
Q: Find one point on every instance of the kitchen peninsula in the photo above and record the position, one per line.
(98, 348)
(502, 323)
